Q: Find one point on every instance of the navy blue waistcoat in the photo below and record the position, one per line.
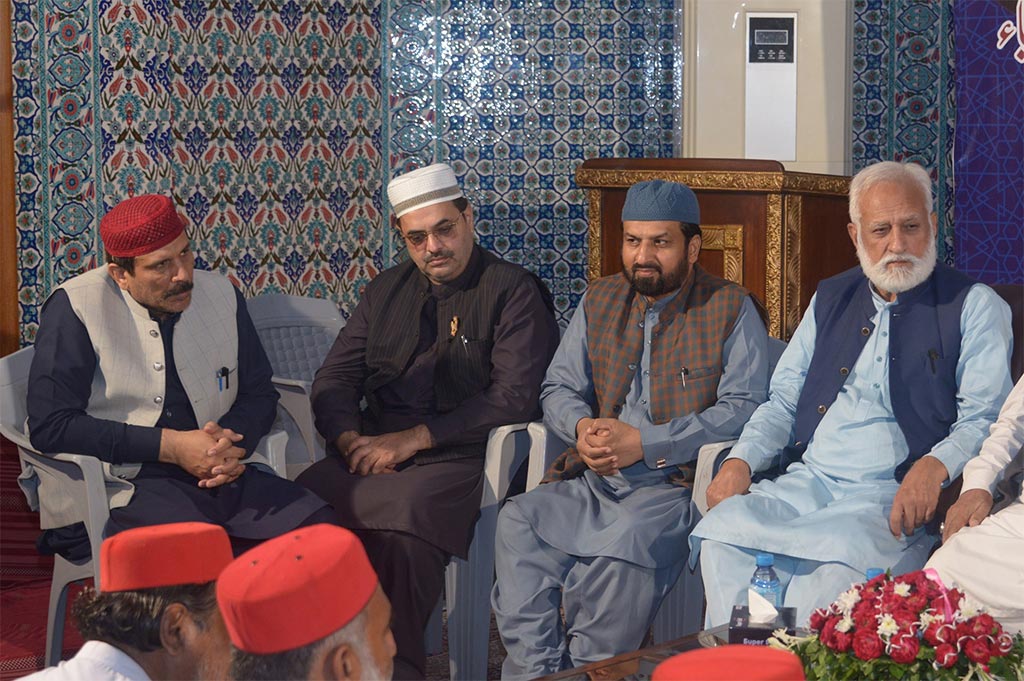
(924, 348)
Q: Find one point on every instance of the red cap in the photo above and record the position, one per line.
(729, 663)
(295, 589)
(163, 555)
(140, 225)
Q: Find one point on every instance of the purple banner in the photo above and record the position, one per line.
(989, 146)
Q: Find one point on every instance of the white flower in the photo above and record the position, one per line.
(847, 600)
(968, 608)
(927, 618)
(901, 589)
(887, 626)
(844, 625)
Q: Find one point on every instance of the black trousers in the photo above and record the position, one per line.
(411, 573)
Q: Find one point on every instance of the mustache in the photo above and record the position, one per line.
(652, 266)
(443, 253)
(905, 257)
(184, 287)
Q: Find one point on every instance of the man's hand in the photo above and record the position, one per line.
(733, 478)
(370, 455)
(917, 496)
(232, 468)
(608, 445)
(344, 440)
(213, 460)
(970, 509)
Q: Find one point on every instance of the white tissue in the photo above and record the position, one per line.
(760, 609)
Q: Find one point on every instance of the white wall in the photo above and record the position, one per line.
(714, 42)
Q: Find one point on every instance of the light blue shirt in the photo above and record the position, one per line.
(862, 414)
(568, 394)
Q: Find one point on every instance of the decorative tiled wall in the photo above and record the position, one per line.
(990, 140)
(904, 106)
(275, 126)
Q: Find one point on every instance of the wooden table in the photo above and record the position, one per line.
(640, 664)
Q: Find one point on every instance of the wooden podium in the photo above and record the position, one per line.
(776, 232)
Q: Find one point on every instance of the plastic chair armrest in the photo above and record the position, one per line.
(545, 447)
(709, 458)
(271, 452)
(507, 448)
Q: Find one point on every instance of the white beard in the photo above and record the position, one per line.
(903, 277)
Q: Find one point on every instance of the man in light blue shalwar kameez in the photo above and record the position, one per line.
(668, 359)
(887, 389)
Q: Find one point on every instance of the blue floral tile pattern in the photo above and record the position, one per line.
(903, 97)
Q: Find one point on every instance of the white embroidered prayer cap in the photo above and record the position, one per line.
(423, 187)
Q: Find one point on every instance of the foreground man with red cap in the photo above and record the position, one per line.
(155, 615)
(156, 369)
(307, 605)
(731, 663)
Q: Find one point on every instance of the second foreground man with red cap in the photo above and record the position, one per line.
(307, 605)
(155, 615)
(156, 369)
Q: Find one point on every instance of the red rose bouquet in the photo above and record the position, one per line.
(907, 627)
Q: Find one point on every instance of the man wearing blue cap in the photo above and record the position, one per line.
(655, 363)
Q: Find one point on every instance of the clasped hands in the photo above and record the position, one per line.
(209, 453)
(608, 445)
(376, 454)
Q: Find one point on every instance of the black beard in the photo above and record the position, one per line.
(659, 285)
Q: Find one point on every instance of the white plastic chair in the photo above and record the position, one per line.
(74, 483)
(468, 582)
(296, 333)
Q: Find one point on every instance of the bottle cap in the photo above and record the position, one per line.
(765, 560)
(873, 572)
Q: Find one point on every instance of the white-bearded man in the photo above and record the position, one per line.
(886, 390)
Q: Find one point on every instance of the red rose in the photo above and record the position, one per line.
(864, 614)
(938, 632)
(818, 618)
(842, 641)
(904, 649)
(867, 645)
(945, 655)
(917, 601)
(976, 650)
(904, 616)
(828, 632)
(981, 625)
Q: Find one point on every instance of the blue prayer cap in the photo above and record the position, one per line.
(661, 200)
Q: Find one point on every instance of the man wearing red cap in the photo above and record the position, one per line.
(155, 615)
(307, 605)
(728, 663)
(156, 370)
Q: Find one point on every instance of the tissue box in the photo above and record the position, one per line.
(742, 630)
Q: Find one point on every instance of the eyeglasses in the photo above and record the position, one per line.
(442, 232)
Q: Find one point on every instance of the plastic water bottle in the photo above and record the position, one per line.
(765, 582)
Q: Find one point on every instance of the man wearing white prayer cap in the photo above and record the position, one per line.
(442, 348)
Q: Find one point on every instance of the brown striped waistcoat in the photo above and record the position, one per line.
(689, 336)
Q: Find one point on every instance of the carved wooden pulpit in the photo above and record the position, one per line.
(776, 232)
